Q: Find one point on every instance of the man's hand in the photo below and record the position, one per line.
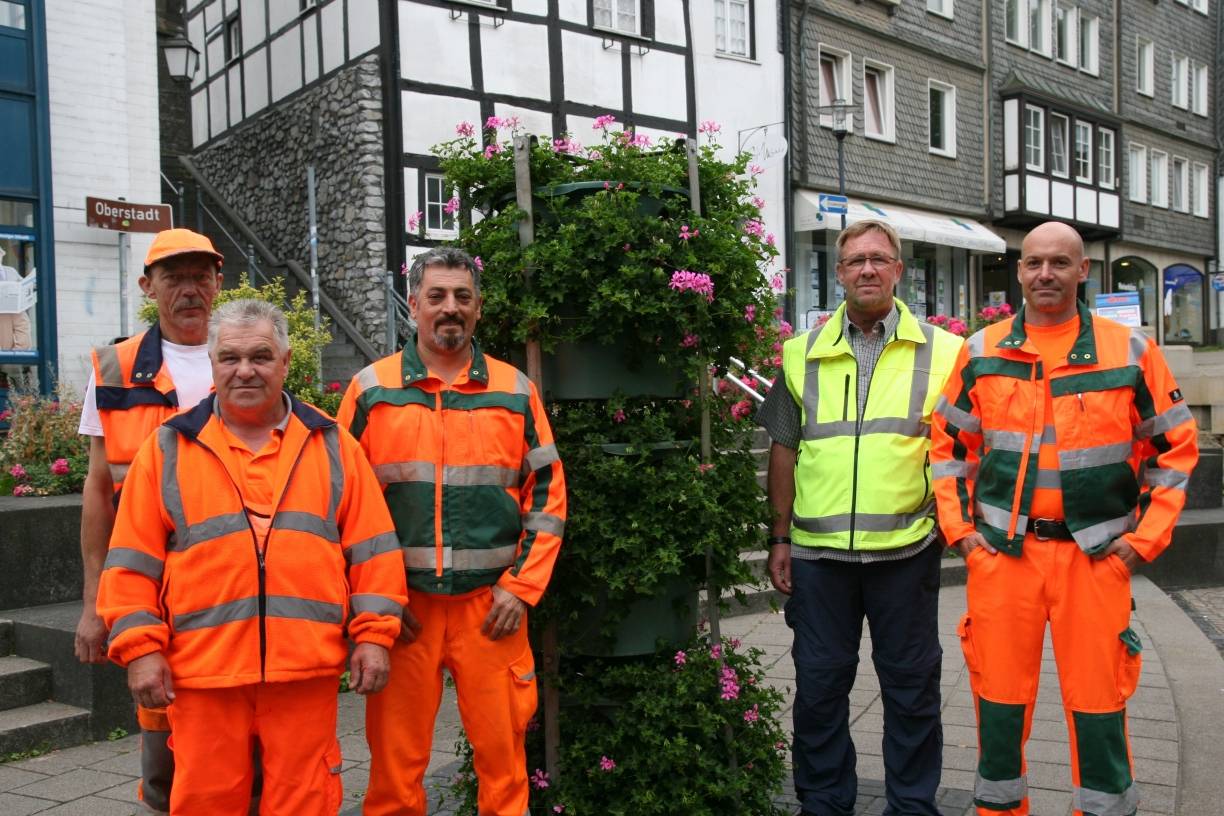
(410, 627)
(90, 643)
(971, 542)
(369, 668)
(149, 681)
(780, 567)
(1121, 548)
(505, 617)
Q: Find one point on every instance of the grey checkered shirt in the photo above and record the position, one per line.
(780, 416)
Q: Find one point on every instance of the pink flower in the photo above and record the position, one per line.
(451, 206)
(414, 220)
(595, 155)
(957, 326)
(681, 658)
(771, 240)
(23, 490)
(785, 329)
(777, 283)
(741, 409)
(465, 128)
(938, 320)
(619, 416)
(639, 140)
(753, 714)
(686, 233)
(512, 123)
(777, 360)
(710, 127)
(493, 123)
(539, 779)
(479, 263)
(756, 169)
(776, 347)
(735, 643)
(690, 341)
(558, 808)
(750, 312)
(683, 280)
(1005, 310)
(626, 247)
(758, 202)
(603, 122)
(17, 472)
(492, 150)
(606, 764)
(334, 387)
(404, 268)
(705, 467)
(567, 145)
(754, 227)
(716, 650)
(989, 313)
(729, 682)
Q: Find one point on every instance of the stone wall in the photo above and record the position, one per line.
(260, 170)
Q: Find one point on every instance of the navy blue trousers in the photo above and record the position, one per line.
(900, 600)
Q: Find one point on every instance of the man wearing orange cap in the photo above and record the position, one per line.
(136, 385)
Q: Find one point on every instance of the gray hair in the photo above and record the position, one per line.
(870, 225)
(248, 312)
(444, 256)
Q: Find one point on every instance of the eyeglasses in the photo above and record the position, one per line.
(856, 263)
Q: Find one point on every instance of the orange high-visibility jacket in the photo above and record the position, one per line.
(470, 472)
(134, 394)
(1126, 440)
(185, 574)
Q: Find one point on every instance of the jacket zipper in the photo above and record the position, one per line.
(439, 470)
(858, 427)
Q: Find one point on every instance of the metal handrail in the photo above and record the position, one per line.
(399, 318)
(258, 276)
(743, 386)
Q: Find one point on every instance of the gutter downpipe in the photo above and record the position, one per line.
(788, 183)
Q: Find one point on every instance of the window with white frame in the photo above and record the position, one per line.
(1039, 26)
(1059, 127)
(1200, 6)
(1065, 35)
(1180, 85)
(1105, 158)
(1200, 189)
(1089, 44)
(941, 7)
(731, 27)
(1145, 66)
(233, 37)
(1198, 88)
(834, 79)
(1016, 12)
(617, 15)
(1083, 152)
(1160, 178)
(1034, 138)
(878, 121)
(1181, 184)
(941, 118)
(438, 222)
(1136, 172)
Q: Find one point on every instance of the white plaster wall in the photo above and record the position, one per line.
(658, 85)
(433, 47)
(104, 143)
(592, 73)
(430, 119)
(507, 67)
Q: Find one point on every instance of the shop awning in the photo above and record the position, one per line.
(910, 224)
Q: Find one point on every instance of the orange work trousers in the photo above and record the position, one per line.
(1087, 603)
(156, 758)
(495, 683)
(215, 730)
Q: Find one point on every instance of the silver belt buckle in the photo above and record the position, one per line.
(1037, 524)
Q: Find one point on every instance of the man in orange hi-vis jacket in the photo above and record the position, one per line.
(1060, 449)
(462, 446)
(250, 532)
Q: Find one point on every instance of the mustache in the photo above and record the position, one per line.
(189, 303)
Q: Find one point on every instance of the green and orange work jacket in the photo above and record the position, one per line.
(1125, 438)
(186, 575)
(469, 470)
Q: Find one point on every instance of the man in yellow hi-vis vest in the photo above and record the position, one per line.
(854, 532)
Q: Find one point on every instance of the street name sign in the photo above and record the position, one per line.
(126, 216)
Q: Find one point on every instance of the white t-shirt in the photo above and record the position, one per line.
(190, 371)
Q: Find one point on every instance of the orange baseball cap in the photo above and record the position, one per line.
(171, 242)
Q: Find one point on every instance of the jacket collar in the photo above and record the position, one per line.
(832, 341)
(148, 357)
(413, 370)
(191, 423)
(1083, 352)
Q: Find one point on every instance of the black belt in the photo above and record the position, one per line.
(1044, 529)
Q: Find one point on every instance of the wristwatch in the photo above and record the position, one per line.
(778, 540)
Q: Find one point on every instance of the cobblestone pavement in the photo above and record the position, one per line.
(99, 779)
(1205, 606)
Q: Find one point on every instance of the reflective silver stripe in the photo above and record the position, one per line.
(921, 380)
(479, 475)
(289, 606)
(976, 345)
(1013, 441)
(377, 604)
(1164, 422)
(363, 551)
(955, 468)
(492, 558)
(118, 472)
(902, 426)
(811, 399)
(1049, 435)
(304, 522)
(1137, 346)
(210, 528)
(136, 561)
(1049, 479)
(331, 441)
(366, 379)
(1092, 539)
(130, 621)
(1166, 477)
(522, 384)
(395, 472)
(997, 517)
(863, 522)
(540, 458)
(528, 677)
(1110, 454)
(544, 523)
(1000, 791)
(228, 612)
(108, 366)
(1099, 803)
(961, 419)
(813, 335)
(172, 499)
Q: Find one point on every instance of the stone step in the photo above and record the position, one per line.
(42, 726)
(7, 638)
(23, 682)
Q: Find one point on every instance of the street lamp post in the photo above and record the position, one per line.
(182, 58)
(840, 112)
